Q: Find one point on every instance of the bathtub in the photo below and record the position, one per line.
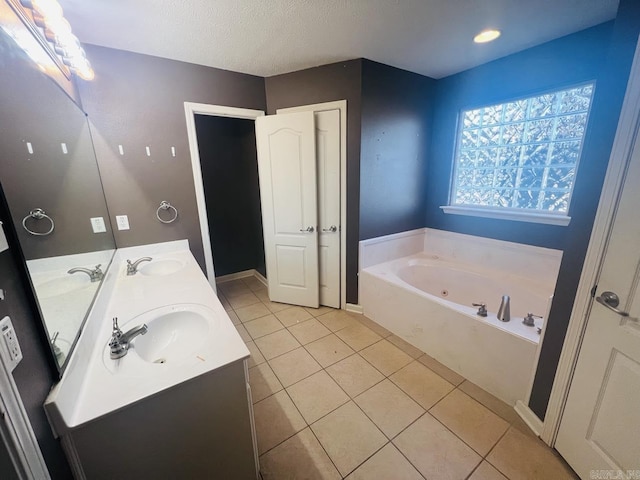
(426, 300)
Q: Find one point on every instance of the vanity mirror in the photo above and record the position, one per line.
(50, 177)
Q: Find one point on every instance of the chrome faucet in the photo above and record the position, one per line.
(132, 268)
(120, 342)
(95, 275)
(504, 312)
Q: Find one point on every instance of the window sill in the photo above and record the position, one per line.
(532, 217)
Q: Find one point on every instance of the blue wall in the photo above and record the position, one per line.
(573, 59)
(394, 145)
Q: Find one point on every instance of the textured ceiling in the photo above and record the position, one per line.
(269, 37)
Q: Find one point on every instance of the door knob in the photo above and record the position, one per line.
(611, 301)
(332, 228)
(308, 229)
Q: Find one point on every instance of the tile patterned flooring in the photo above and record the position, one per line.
(337, 396)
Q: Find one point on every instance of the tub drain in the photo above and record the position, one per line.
(160, 360)
(444, 293)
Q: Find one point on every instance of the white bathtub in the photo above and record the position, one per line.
(427, 300)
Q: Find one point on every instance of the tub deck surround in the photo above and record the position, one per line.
(425, 298)
(94, 385)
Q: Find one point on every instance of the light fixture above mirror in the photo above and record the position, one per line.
(46, 21)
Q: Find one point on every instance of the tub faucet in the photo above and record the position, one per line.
(120, 342)
(132, 268)
(504, 312)
(95, 275)
(482, 309)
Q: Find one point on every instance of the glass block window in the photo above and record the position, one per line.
(522, 154)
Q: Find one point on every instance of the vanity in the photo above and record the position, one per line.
(178, 403)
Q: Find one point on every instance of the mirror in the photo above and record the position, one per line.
(50, 178)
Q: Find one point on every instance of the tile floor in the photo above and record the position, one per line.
(337, 396)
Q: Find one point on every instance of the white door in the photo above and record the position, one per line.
(600, 427)
(288, 194)
(328, 168)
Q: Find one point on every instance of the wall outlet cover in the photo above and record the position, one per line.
(9, 346)
(123, 222)
(97, 224)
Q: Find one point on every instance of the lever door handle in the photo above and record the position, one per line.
(332, 229)
(611, 301)
(308, 229)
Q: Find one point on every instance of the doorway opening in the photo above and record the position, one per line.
(229, 205)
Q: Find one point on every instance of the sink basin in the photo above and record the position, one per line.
(174, 332)
(165, 266)
(63, 284)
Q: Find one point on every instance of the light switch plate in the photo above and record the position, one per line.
(9, 346)
(123, 222)
(97, 223)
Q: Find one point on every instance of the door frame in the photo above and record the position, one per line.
(625, 138)
(191, 110)
(340, 105)
(16, 431)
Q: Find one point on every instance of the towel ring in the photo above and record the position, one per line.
(38, 214)
(164, 205)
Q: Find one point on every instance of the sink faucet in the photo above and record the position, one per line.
(132, 268)
(120, 342)
(95, 275)
(504, 312)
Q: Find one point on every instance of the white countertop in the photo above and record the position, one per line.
(94, 385)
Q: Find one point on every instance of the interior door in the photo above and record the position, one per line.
(328, 168)
(288, 194)
(600, 427)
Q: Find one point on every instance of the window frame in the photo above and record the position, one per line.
(514, 213)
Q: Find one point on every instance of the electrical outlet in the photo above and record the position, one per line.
(123, 222)
(9, 346)
(97, 224)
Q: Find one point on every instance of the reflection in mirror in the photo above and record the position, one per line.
(49, 175)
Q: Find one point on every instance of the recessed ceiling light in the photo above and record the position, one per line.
(486, 36)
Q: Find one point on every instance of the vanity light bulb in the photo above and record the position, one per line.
(86, 73)
(486, 36)
(48, 9)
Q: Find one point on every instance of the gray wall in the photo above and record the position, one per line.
(396, 108)
(138, 101)
(67, 186)
(338, 81)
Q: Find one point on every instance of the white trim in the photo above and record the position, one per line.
(16, 430)
(235, 276)
(190, 110)
(508, 214)
(352, 307)
(618, 162)
(530, 418)
(244, 274)
(261, 277)
(342, 106)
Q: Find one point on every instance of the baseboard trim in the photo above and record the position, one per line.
(260, 277)
(236, 276)
(355, 308)
(531, 419)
